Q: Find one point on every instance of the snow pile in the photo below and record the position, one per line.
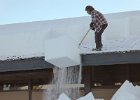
(63, 96)
(127, 92)
(89, 96)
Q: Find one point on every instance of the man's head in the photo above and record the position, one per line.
(89, 9)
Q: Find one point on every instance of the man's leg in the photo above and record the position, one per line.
(98, 40)
(98, 37)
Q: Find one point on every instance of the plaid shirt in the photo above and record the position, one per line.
(98, 20)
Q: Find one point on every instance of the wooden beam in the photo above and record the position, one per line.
(64, 86)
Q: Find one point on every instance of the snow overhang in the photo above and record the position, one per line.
(94, 59)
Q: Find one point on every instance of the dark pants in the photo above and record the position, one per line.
(98, 37)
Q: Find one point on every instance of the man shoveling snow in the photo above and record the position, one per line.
(98, 24)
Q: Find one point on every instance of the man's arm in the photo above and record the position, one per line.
(92, 24)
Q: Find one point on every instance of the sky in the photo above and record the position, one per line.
(18, 11)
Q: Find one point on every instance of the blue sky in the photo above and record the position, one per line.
(17, 11)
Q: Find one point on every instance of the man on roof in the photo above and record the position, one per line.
(98, 24)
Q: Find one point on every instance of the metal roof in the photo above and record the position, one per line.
(110, 58)
(24, 64)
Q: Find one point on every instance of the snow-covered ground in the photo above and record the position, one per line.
(25, 40)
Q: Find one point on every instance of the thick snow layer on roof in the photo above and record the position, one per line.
(24, 40)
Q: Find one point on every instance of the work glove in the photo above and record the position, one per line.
(91, 26)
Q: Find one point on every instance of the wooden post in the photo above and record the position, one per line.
(30, 89)
(88, 80)
(91, 78)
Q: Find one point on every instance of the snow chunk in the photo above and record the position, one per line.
(127, 92)
(62, 51)
(63, 96)
(89, 96)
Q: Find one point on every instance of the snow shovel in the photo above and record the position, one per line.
(83, 38)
